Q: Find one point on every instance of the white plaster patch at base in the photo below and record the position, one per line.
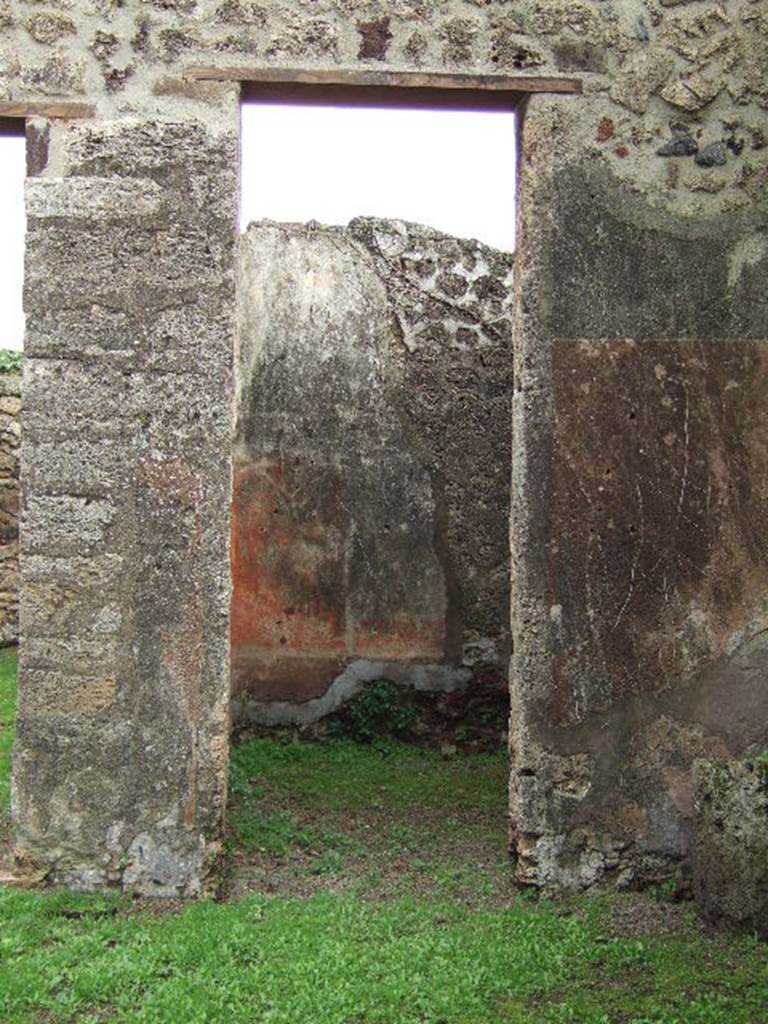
(156, 868)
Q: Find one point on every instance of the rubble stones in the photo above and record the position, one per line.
(713, 155)
(680, 145)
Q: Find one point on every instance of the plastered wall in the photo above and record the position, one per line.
(371, 466)
(642, 231)
(639, 604)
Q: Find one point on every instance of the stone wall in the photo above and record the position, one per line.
(10, 431)
(639, 279)
(372, 453)
(680, 76)
(640, 431)
(120, 764)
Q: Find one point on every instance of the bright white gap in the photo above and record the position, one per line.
(452, 170)
(12, 228)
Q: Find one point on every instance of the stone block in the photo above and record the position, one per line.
(67, 525)
(10, 384)
(730, 853)
(76, 401)
(91, 468)
(61, 694)
(92, 198)
(134, 265)
(73, 655)
(71, 596)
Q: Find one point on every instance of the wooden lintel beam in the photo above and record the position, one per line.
(385, 79)
(52, 109)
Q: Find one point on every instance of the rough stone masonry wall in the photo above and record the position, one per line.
(119, 770)
(10, 430)
(681, 74)
(371, 478)
(642, 219)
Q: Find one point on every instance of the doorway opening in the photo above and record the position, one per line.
(12, 220)
(370, 550)
(328, 154)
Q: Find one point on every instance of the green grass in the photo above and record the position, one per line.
(280, 832)
(7, 729)
(342, 775)
(337, 960)
(340, 959)
(364, 810)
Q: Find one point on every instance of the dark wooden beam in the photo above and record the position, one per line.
(386, 79)
(13, 108)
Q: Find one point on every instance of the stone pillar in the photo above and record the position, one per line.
(730, 856)
(121, 758)
(640, 570)
(10, 429)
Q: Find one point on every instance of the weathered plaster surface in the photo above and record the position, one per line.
(640, 598)
(372, 454)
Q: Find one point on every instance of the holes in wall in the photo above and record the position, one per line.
(444, 159)
(12, 228)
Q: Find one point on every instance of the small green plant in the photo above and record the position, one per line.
(377, 711)
(329, 863)
(403, 837)
(664, 892)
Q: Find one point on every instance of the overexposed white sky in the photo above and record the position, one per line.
(452, 170)
(12, 171)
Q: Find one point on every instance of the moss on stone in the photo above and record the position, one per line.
(10, 360)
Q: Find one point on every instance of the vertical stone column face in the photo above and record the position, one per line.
(730, 859)
(10, 430)
(120, 763)
(639, 610)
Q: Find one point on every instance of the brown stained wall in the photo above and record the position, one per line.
(10, 429)
(642, 218)
(659, 541)
(371, 493)
(640, 601)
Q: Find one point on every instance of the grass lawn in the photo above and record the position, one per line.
(365, 885)
(7, 731)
